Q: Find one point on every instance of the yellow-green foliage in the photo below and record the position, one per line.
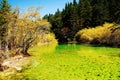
(95, 33)
(25, 28)
(107, 34)
(46, 39)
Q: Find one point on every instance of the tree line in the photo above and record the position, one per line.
(82, 14)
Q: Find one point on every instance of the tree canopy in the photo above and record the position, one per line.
(20, 30)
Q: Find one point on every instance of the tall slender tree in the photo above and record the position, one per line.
(100, 12)
(85, 12)
(114, 10)
(4, 9)
(4, 13)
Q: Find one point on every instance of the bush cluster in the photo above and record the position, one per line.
(108, 34)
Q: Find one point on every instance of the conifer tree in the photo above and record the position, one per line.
(85, 12)
(114, 10)
(100, 12)
(5, 9)
(4, 12)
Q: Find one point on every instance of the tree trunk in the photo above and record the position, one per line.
(22, 51)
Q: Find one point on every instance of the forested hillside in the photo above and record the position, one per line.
(83, 14)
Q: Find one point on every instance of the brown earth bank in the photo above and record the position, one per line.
(17, 62)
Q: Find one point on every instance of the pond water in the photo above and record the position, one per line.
(75, 49)
(89, 50)
(73, 62)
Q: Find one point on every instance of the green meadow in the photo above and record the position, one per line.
(73, 62)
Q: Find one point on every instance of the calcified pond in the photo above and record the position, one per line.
(72, 62)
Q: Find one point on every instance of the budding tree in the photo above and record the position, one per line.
(24, 29)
